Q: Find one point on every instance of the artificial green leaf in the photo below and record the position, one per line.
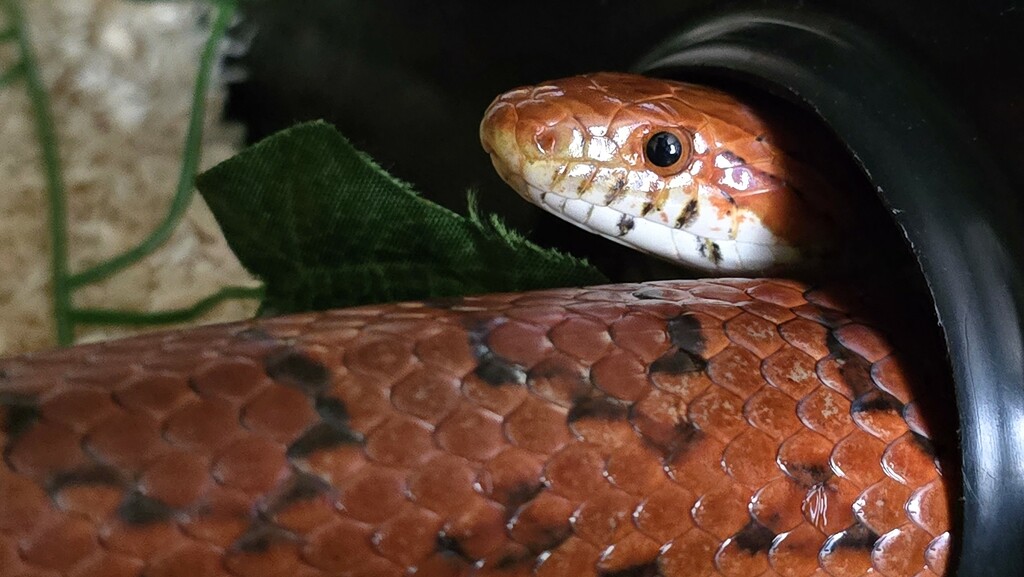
(325, 227)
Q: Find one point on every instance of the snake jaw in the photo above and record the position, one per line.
(576, 147)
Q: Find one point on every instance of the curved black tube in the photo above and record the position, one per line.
(961, 218)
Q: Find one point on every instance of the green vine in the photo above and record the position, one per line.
(66, 316)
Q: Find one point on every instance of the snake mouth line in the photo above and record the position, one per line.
(725, 256)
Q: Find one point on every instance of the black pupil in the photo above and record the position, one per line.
(664, 149)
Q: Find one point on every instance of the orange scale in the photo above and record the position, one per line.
(826, 412)
(537, 426)
(252, 464)
(736, 370)
(750, 459)
(791, 372)
(61, 544)
(409, 537)
(909, 461)
(444, 484)
(576, 471)
(574, 557)
(777, 294)
(581, 338)
(755, 334)
(779, 505)
(401, 442)
(773, 412)
(857, 457)
(881, 506)
(929, 507)
(426, 394)
(374, 494)
(230, 378)
(78, 408)
(471, 432)
(864, 341)
(635, 552)
(770, 312)
(719, 413)
(281, 413)
(605, 517)
(642, 334)
(689, 555)
(511, 477)
(722, 513)
(901, 551)
(189, 560)
(636, 468)
(177, 479)
(621, 375)
(807, 336)
(520, 343)
(542, 523)
(156, 394)
(448, 350)
(665, 513)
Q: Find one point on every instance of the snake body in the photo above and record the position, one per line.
(717, 427)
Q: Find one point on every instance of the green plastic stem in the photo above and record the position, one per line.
(190, 161)
(47, 137)
(90, 316)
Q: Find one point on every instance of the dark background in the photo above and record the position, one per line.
(407, 81)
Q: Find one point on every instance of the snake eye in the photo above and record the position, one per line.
(664, 149)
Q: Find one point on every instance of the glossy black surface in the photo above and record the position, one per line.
(952, 200)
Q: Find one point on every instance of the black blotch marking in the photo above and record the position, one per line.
(925, 444)
(601, 408)
(509, 562)
(625, 224)
(877, 401)
(332, 409)
(302, 487)
(858, 537)
(677, 362)
(323, 435)
(646, 208)
(710, 250)
(260, 537)
(649, 569)
(86, 476)
(733, 158)
(688, 214)
(549, 538)
(491, 367)
(450, 547)
(615, 190)
(716, 253)
(754, 538)
(19, 413)
(521, 495)
(759, 138)
(683, 436)
(292, 368)
(685, 332)
(139, 509)
(809, 475)
(854, 369)
(557, 368)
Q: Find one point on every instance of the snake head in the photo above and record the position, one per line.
(680, 171)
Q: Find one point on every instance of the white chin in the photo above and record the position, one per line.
(721, 257)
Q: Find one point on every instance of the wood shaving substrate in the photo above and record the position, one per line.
(120, 76)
